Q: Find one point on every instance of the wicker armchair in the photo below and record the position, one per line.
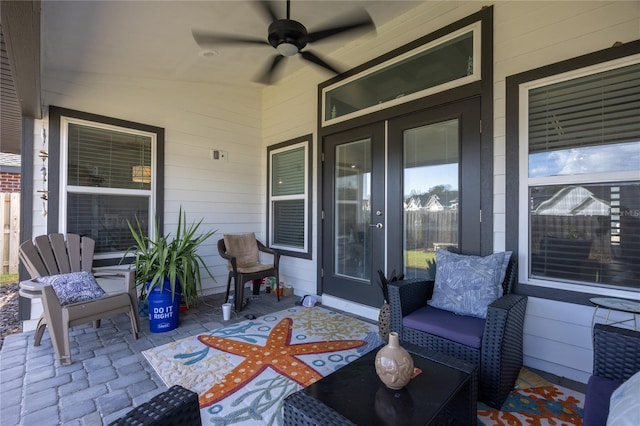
(499, 356)
(616, 357)
(176, 406)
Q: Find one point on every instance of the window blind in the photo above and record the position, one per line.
(289, 226)
(107, 158)
(104, 218)
(288, 172)
(598, 109)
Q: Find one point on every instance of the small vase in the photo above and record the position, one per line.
(393, 363)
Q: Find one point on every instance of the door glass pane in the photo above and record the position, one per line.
(431, 194)
(352, 209)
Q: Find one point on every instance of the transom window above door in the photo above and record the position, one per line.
(449, 61)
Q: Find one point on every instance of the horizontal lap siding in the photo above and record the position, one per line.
(558, 338)
(227, 195)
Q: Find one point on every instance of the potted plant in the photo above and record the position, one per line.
(169, 264)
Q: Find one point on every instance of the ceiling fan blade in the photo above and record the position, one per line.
(266, 7)
(361, 21)
(267, 75)
(311, 57)
(206, 39)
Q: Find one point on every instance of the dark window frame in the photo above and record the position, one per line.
(55, 118)
(513, 151)
(308, 253)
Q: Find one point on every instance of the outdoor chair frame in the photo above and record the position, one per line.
(56, 254)
(241, 275)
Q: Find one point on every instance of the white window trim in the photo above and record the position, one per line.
(525, 182)
(65, 188)
(304, 196)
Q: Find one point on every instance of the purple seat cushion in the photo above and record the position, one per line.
(596, 402)
(459, 328)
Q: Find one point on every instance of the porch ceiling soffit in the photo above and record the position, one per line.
(20, 86)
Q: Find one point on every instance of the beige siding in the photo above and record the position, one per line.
(229, 195)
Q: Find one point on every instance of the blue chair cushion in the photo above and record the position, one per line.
(458, 328)
(597, 398)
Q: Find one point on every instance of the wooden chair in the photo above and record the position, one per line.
(242, 254)
(56, 254)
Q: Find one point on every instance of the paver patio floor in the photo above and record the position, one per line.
(109, 375)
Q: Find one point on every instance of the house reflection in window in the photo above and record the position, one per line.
(584, 233)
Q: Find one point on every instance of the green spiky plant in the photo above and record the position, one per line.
(384, 282)
(175, 259)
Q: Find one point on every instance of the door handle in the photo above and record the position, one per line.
(377, 225)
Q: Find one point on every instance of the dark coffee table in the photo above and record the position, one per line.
(444, 393)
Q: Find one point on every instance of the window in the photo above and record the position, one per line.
(108, 178)
(579, 168)
(449, 61)
(289, 197)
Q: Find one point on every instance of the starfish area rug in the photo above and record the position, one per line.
(535, 402)
(243, 372)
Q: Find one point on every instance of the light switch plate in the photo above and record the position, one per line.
(218, 155)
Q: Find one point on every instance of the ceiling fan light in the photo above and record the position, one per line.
(287, 49)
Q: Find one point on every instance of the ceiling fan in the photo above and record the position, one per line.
(288, 37)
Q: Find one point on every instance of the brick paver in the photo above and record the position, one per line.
(109, 375)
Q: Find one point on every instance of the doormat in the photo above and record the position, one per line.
(243, 372)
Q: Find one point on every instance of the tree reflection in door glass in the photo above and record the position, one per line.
(431, 193)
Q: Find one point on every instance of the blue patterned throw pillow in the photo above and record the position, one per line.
(467, 285)
(74, 287)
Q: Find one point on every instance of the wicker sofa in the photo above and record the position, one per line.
(498, 347)
(616, 357)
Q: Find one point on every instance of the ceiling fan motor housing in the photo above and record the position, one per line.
(287, 31)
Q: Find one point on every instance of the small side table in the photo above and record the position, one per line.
(614, 304)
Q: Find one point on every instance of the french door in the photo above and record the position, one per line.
(354, 208)
(393, 192)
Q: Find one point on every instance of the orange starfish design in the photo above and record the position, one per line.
(277, 353)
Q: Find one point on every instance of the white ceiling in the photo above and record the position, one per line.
(152, 39)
